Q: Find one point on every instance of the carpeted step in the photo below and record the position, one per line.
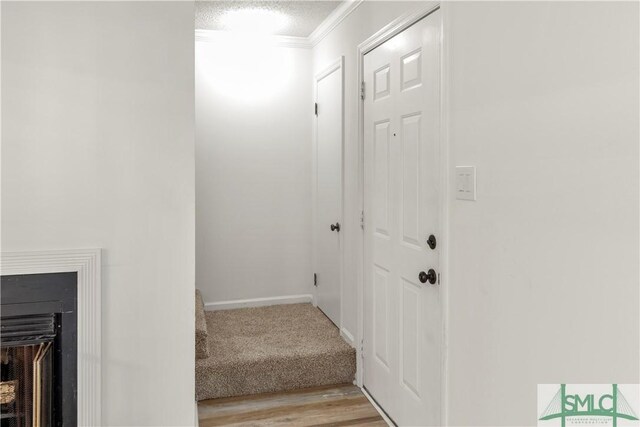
(268, 349)
(202, 345)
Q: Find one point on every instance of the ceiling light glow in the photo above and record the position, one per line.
(244, 69)
(255, 21)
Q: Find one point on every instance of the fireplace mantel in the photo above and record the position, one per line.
(86, 263)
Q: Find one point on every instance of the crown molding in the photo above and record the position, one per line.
(282, 41)
(332, 21)
(325, 27)
(289, 41)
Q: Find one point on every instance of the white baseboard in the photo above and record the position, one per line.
(196, 421)
(258, 302)
(347, 337)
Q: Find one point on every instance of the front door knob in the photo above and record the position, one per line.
(429, 276)
(335, 227)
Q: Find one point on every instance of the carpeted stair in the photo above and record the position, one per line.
(202, 346)
(268, 349)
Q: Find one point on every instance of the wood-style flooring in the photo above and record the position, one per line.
(337, 405)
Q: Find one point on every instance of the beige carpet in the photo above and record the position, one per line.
(267, 349)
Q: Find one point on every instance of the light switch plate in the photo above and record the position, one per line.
(466, 183)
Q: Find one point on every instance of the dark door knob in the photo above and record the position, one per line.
(335, 227)
(429, 276)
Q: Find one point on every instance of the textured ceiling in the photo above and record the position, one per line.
(303, 16)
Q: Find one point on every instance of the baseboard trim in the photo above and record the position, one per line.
(347, 337)
(258, 302)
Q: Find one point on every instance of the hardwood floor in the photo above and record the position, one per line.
(341, 405)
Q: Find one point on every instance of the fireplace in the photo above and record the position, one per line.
(26, 385)
(38, 350)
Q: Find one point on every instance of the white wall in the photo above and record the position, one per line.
(544, 266)
(543, 280)
(253, 169)
(97, 151)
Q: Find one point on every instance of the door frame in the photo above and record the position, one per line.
(392, 29)
(337, 64)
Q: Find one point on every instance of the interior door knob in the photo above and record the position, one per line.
(429, 276)
(335, 227)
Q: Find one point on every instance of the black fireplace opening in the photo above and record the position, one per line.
(38, 350)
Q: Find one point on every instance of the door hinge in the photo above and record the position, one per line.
(316, 108)
(362, 91)
(362, 219)
(315, 279)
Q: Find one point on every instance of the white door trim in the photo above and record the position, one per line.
(86, 263)
(390, 30)
(332, 67)
(338, 63)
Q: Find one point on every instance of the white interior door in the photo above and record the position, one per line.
(328, 212)
(402, 315)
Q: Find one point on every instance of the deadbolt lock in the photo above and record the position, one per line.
(431, 241)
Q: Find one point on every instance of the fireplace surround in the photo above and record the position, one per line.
(86, 264)
(38, 350)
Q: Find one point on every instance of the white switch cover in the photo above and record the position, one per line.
(466, 182)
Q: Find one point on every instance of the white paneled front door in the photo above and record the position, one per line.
(402, 311)
(328, 209)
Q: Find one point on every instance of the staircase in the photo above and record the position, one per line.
(268, 349)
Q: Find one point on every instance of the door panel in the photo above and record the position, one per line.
(402, 340)
(328, 191)
(381, 82)
(381, 299)
(381, 185)
(410, 68)
(410, 135)
(410, 335)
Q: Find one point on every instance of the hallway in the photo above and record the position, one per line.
(271, 349)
